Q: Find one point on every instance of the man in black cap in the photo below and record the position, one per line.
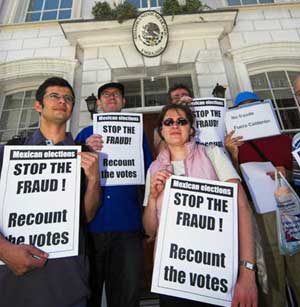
(116, 230)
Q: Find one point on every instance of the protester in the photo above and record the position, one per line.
(177, 94)
(296, 139)
(182, 156)
(281, 270)
(180, 94)
(116, 231)
(29, 278)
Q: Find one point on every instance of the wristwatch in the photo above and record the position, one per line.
(248, 265)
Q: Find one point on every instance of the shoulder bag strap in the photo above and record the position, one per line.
(259, 152)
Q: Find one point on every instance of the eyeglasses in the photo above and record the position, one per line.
(55, 97)
(179, 122)
(115, 95)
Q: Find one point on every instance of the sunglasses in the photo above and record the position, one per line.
(179, 122)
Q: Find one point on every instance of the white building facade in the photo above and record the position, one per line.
(240, 44)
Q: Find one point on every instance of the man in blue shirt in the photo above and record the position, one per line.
(29, 278)
(116, 230)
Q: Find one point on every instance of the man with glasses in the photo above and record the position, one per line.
(29, 278)
(116, 230)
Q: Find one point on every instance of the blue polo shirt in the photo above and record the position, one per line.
(121, 208)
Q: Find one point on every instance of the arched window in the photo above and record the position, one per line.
(18, 116)
(278, 86)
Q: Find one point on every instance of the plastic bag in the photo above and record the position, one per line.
(287, 216)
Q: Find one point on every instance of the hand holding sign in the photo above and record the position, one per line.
(282, 170)
(95, 141)
(22, 258)
(185, 100)
(89, 162)
(158, 181)
(232, 143)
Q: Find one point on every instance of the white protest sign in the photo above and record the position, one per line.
(197, 244)
(260, 185)
(121, 158)
(40, 198)
(252, 121)
(209, 120)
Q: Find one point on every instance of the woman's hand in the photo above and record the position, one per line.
(232, 144)
(157, 183)
(287, 174)
(245, 291)
(95, 142)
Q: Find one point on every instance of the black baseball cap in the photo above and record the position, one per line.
(117, 85)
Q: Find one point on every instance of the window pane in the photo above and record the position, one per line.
(15, 116)
(29, 118)
(35, 5)
(51, 4)
(247, 2)
(160, 2)
(292, 75)
(290, 118)
(133, 101)
(7, 135)
(13, 101)
(9, 119)
(155, 86)
(185, 80)
(234, 2)
(259, 82)
(278, 79)
(133, 94)
(33, 17)
(266, 1)
(65, 4)
(135, 3)
(29, 99)
(284, 98)
(49, 15)
(264, 94)
(153, 3)
(155, 100)
(65, 14)
(132, 87)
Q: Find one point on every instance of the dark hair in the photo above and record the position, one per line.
(178, 86)
(53, 81)
(185, 109)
